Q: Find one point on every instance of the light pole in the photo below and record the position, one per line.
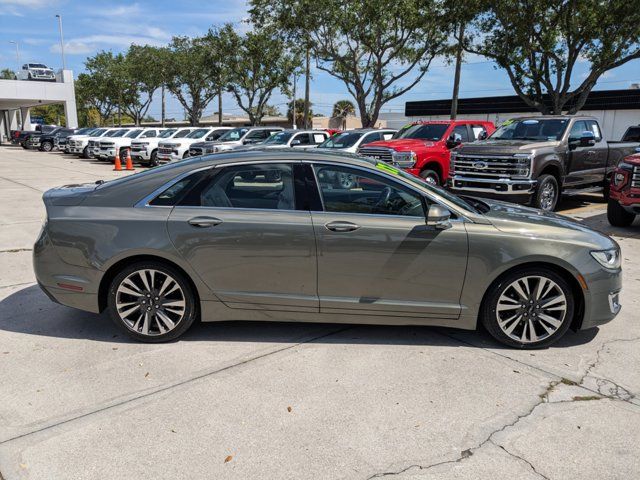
(59, 17)
(17, 52)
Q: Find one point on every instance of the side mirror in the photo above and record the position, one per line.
(438, 217)
(587, 139)
(483, 135)
(454, 140)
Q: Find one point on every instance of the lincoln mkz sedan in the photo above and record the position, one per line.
(318, 237)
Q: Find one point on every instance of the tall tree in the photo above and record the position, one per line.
(342, 109)
(539, 43)
(217, 41)
(259, 64)
(380, 49)
(299, 111)
(188, 76)
(143, 74)
(106, 83)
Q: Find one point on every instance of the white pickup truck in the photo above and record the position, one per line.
(36, 71)
(78, 144)
(177, 149)
(108, 147)
(93, 145)
(145, 151)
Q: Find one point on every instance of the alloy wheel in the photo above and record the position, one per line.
(531, 309)
(150, 302)
(547, 196)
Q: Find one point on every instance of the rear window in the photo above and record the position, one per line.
(632, 135)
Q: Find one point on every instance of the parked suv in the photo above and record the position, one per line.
(424, 148)
(536, 159)
(349, 141)
(301, 139)
(177, 149)
(145, 151)
(624, 193)
(240, 137)
(36, 71)
(93, 144)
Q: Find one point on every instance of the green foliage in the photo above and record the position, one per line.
(7, 74)
(299, 103)
(143, 74)
(189, 74)
(539, 42)
(342, 109)
(380, 49)
(52, 114)
(258, 64)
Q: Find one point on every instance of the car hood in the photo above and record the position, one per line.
(511, 218)
(402, 144)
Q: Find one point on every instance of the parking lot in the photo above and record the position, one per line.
(280, 400)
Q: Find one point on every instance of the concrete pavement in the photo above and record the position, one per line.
(277, 400)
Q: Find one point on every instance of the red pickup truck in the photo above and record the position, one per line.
(423, 148)
(624, 192)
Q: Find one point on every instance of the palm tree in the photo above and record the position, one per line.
(342, 109)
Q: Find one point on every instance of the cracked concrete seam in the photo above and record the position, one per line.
(544, 398)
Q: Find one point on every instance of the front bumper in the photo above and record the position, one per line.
(169, 157)
(602, 299)
(138, 155)
(498, 187)
(628, 198)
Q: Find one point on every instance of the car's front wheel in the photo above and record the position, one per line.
(618, 216)
(152, 302)
(431, 177)
(47, 146)
(547, 194)
(85, 153)
(153, 161)
(529, 308)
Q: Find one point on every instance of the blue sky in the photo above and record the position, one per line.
(91, 26)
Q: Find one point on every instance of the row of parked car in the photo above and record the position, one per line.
(531, 160)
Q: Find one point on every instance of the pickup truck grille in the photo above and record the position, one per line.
(106, 144)
(137, 148)
(377, 153)
(635, 177)
(165, 150)
(490, 167)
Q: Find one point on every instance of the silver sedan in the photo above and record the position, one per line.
(315, 237)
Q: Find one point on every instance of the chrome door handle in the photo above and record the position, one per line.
(591, 152)
(341, 226)
(204, 222)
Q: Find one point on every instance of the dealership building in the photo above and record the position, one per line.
(616, 110)
(17, 97)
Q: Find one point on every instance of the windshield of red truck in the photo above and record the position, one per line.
(546, 129)
(433, 132)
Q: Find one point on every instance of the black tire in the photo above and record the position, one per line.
(541, 198)
(430, 176)
(85, 153)
(190, 299)
(489, 310)
(153, 161)
(618, 216)
(46, 146)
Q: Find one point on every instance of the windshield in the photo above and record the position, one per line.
(432, 131)
(548, 129)
(280, 138)
(167, 133)
(98, 132)
(233, 135)
(115, 133)
(133, 133)
(37, 65)
(199, 133)
(342, 140)
(182, 133)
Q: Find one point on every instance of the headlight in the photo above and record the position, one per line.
(522, 165)
(619, 179)
(176, 145)
(609, 259)
(404, 159)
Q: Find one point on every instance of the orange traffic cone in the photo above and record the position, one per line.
(129, 161)
(118, 164)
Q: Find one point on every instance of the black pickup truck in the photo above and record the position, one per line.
(54, 140)
(22, 136)
(534, 160)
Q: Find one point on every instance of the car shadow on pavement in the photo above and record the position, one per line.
(28, 311)
(601, 224)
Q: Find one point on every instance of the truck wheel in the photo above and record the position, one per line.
(85, 152)
(47, 146)
(618, 216)
(547, 193)
(431, 177)
(153, 161)
(528, 308)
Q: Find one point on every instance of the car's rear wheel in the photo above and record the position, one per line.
(618, 216)
(529, 308)
(152, 302)
(430, 176)
(46, 146)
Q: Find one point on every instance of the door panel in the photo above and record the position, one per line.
(250, 256)
(586, 164)
(389, 265)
